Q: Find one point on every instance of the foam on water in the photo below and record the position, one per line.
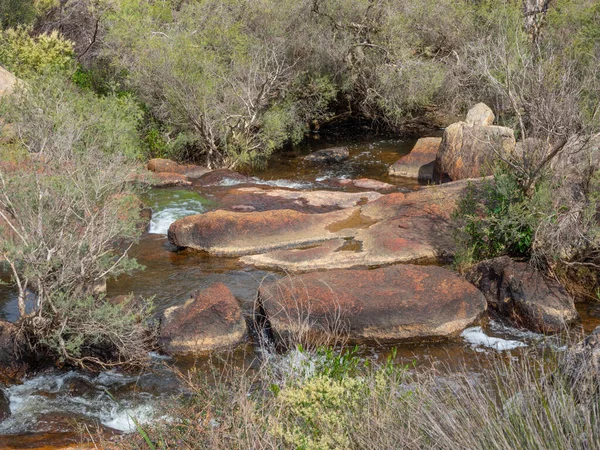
(180, 206)
(477, 338)
(48, 394)
(275, 183)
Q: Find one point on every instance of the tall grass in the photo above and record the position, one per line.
(529, 401)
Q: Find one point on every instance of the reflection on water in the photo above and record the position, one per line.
(171, 276)
(368, 159)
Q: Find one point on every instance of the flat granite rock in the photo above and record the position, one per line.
(392, 228)
(228, 233)
(388, 304)
(395, 228)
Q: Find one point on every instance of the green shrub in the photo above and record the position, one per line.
(23, 12)
(25, 54)
(495, 217)
(69, 211)
(53, 113)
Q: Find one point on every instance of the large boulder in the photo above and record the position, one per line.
(211, 319)
(524, 295)
(470, 151)
(7, 81)
(227, 233)
(167, 166)
(420, 162)
(480, 114)
(329, 155)
(387, 304)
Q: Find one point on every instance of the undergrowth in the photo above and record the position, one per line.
(338, 400)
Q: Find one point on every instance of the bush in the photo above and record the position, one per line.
(18, 12)
(51, 114)
(25, 54)
(245, 78)
(69, 214)
(494, 217)
(530, 400)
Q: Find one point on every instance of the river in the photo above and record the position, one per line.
(45, 406)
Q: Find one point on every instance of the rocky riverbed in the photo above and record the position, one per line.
(320, 246)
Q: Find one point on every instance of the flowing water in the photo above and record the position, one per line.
(45, 406)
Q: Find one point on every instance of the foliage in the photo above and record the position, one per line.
(529, 400)
(245, 78)
(51, 114)
(495, 218)
(69, 212)
(318, 410)
(18, 12)
(25, 54)
(91, 331)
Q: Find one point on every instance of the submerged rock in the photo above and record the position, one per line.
(385, 305)
(360, 183)
(211, 319)
(224, 177)
(524, 295)
(332, 155)
(420, 162)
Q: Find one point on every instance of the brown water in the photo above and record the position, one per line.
(368, 159)
(170, 276)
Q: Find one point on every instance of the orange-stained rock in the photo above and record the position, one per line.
(168, 179)
(209, 320)
(393, 228)
(228, 233)
(420, 162)
(471, 151)
(387, 304)
(166, 165)
(524, 295)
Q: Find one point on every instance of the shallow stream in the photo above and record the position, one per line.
(44, 407)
